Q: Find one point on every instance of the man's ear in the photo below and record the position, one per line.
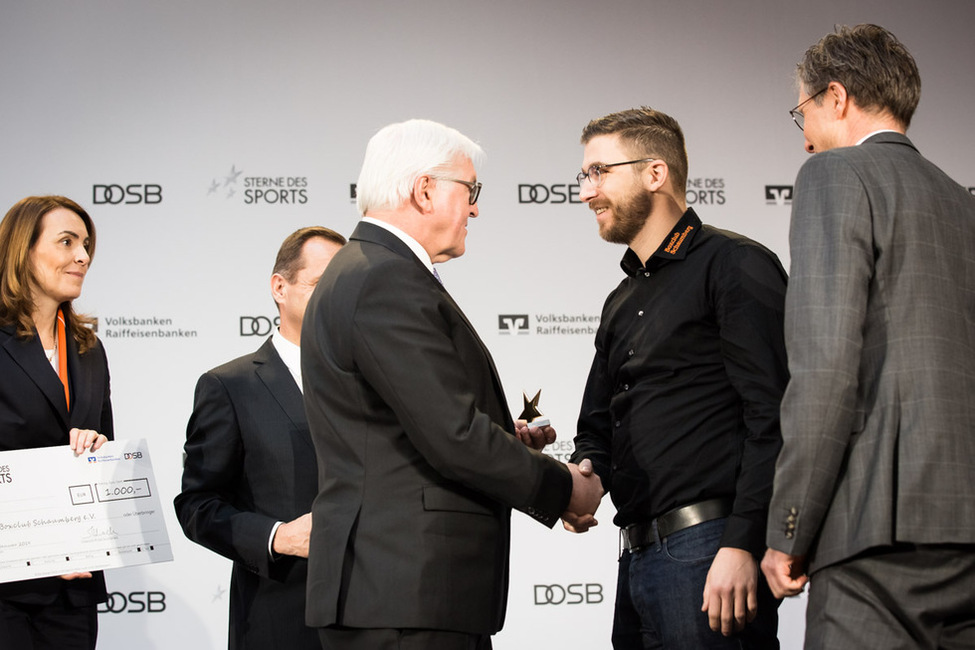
(279, 288)
(836, 99)
(422, 196)
(655, 174)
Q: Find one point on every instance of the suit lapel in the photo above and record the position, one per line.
(279, 381)
(29, 355)
(366, 231)
(79, 375)
(495, 377)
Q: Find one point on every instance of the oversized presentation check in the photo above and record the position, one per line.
(61, 513)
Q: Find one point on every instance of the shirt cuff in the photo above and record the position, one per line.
(270, 541)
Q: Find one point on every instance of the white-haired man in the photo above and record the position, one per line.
(419, 460)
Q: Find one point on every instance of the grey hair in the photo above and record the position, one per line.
(402, 152)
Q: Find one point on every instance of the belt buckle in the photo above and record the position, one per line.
(636, 536)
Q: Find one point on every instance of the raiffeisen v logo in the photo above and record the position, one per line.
(778, 194)
(513, 323)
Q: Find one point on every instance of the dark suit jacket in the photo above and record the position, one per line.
(33, 413)
(417, 470)
(877, 421)
(249, 464)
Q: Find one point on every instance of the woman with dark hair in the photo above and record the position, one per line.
(54, 390)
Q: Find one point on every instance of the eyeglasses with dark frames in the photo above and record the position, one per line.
(473, 186)
(797, 115)
(595, 172)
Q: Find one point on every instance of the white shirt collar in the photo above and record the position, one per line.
(414, 245)
(870, 135)
(290, 354)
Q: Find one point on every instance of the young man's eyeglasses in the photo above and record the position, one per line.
(595, 172)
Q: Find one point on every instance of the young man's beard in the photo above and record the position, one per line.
(629, 215)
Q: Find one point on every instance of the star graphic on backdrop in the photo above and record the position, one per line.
(214, 186)
(232, 176)
(219, 595)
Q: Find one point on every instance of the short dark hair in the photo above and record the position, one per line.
(878, 72)
(288, 262)
(647, 133)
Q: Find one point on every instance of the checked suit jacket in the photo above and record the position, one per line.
(878, 420)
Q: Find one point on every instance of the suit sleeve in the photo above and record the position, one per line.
(207, 507)
(832, 261)
(406, 350)
(107, 420)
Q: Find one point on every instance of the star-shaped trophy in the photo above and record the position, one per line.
(531, 414)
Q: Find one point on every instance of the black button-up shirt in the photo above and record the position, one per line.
(682, 401)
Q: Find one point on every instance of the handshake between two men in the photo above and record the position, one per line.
(587, 488)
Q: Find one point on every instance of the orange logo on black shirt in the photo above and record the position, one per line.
(677, 240)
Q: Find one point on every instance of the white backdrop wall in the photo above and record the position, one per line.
(163, 118)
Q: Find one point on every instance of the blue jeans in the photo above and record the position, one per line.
(661, 588)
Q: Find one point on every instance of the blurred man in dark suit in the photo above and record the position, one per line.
(250, 474)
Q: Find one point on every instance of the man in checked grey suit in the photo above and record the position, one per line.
(874, 495)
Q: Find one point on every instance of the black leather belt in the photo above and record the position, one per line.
(637, 535)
